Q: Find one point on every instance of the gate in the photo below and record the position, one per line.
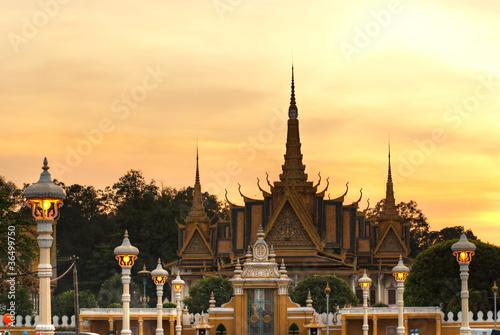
(260, 311)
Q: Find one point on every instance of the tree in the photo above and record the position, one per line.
(112, 289)
(449, 233)
(421, 237)
(409, 213)
(199, 294)
(64, 303)
(24, 304)
(83, 222)
(340, 295)
(434, 278)
(18, 247)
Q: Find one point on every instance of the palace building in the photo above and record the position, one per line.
(313, 234)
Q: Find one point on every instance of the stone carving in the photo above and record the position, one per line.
(391, 244)
(260, 273)
(196, 245)
(287, 231)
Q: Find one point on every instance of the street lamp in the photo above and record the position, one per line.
(327, 292)
(400, 272)
(365, 283)
(45, 199)
(144, 299)
(159, 277)
(178, 285)
(464, 250)
(495, 290)
(126, 254)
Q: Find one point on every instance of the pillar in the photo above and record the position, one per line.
(141, 323)
(438, 325)
(111, 323)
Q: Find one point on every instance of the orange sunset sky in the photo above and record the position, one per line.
(101, 87)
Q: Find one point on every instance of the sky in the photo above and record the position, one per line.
(100, 88)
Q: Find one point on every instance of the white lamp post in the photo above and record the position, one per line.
(400, 272)
(178, 285)
(464, 250)
(159, 277)
(365, 283)
(45, 199)
(327, 292)
(126, 254)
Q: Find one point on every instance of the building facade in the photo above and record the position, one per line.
(313, 234)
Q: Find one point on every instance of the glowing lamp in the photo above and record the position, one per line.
(178, 283)
(463, 249)
(44, 196)
(365, 282)
(159, 274)
(400, 271)
(126, 253)
(327, 289)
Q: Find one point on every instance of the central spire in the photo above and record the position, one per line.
(293, 169)
(293, 111)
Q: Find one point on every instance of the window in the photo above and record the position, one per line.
(392, 296)
(221, 330)
(293, 330)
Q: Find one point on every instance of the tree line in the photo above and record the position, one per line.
(92, 223)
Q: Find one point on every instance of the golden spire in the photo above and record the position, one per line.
(197, 210)
(389, 211)
(293, 169)
(293, 111)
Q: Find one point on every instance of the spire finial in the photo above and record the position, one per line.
(389, 210)
(197, 179)
(292, 110)
(45, 164)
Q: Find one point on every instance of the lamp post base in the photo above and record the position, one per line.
(159, 331)
(464, 331)
(126, 332)
(45, 329)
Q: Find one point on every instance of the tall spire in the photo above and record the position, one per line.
(197, 210)
(293, 111)
(389, 211)
(293, 169)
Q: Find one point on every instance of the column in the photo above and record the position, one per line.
(438, 325)
(464, 276)
(375, 328)
(343, 329)
(126, 301)
(111, 323)
(380, 288)
(141, 323)
(44, 229)
(401, 327)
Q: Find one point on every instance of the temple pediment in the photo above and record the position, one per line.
(391, 244)
(288, 230)
(196, 246)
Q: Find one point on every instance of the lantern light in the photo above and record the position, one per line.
(400, 271)
(178, 283)
(365, 281)
(44, 196)
(159, 274)
(463, 249)
(126, 253)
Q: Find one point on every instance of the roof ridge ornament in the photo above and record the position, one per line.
(293, 111)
